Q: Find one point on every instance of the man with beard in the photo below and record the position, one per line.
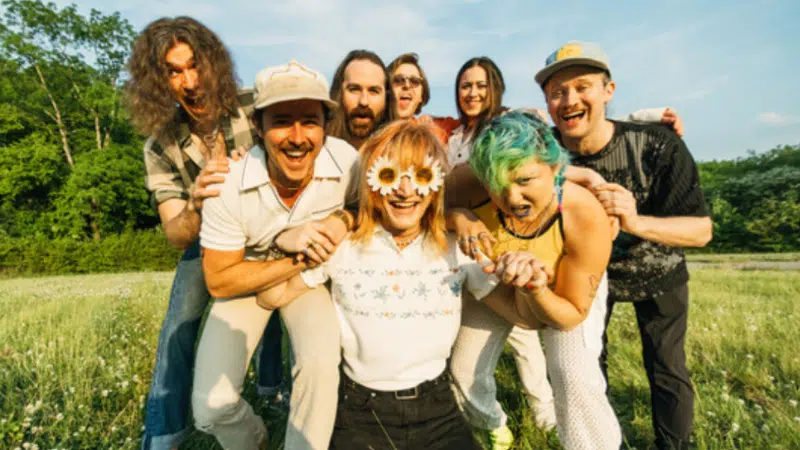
(284, 197)
(180, 62)
(360, 86)
(654, 190)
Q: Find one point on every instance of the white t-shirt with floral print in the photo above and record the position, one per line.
(399, 310)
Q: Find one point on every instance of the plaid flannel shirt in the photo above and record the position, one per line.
(172, 164)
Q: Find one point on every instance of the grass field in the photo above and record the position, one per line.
(76, 355)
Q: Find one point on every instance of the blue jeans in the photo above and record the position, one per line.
(167, 409)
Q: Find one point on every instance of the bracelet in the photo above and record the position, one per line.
(344, 217)
(273, 252)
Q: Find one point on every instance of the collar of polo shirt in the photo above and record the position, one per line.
(255, 167)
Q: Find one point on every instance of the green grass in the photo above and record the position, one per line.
(76, 355)
(742, 257)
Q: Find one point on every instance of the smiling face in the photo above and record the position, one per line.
(293, 134)
(184, 80)
(403, 209)
(576, 100)
(473, 90)
(407, 90)
(531, 187)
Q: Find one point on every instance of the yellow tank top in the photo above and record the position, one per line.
(548, 247)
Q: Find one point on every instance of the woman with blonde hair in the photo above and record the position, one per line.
(396, 283)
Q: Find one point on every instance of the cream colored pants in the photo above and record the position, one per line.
(229, 339)
(584, 415)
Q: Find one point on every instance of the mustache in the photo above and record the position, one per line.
(361, 111)
(288, 146)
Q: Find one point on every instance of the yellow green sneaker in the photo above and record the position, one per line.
(501, 438)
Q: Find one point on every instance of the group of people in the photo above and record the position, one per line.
(402, 251)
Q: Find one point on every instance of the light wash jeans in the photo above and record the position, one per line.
(167, 407)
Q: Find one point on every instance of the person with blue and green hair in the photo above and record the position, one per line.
(555, 233)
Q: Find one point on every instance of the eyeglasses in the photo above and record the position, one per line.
(401, 80)
(384, 176)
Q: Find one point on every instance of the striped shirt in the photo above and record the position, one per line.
(172, 162)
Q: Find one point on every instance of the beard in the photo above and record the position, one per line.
(364, 128)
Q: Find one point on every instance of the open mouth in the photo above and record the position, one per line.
(296, 155)
(404, 100)
(572, 118)
(403, 207)
(521, 211)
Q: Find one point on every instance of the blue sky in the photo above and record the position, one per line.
(730, 69)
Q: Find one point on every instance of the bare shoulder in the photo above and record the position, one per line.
(581, 211)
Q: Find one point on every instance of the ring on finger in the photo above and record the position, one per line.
(472, 239)
(483, 235)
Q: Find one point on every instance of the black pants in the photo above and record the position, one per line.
(662, 327)
(425, 418)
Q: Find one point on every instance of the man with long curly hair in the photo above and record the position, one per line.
(183, 94)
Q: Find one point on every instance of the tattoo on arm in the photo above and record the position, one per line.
(594, 285)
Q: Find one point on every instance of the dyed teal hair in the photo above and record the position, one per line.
(509, 141)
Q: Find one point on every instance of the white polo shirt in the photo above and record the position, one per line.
(249, 213)
(399, 309)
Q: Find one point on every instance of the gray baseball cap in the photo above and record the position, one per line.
(292, 81)
(573, 53)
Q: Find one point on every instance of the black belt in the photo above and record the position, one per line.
(403, 394)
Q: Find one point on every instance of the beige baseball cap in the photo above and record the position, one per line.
(292, 81)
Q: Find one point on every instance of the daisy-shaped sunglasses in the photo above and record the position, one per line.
(385, 176)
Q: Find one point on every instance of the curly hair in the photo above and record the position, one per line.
(337, 127)
(149, 98)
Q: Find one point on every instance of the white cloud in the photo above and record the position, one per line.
(778, 120)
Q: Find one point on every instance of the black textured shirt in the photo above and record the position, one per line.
(654, 164)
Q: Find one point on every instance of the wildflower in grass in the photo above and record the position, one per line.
(752, 328)
(734, 427)
(749, 356)
(741, 401)
(725, 396)
(797, 419)
(59, 417)
(710, 413)
(793, 403)
(765, 428)
(104, 393)
(724, 373)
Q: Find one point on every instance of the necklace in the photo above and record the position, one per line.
(210, 139)
(403, 243)
(539, 220)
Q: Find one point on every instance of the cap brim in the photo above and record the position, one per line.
(543, 75)
(288, 98)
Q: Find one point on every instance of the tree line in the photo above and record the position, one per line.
(71, 165)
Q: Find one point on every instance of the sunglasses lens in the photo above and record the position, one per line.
(387, 175)
(423, 176)
(401, 80)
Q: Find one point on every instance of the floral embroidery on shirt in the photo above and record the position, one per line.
(421, 290)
